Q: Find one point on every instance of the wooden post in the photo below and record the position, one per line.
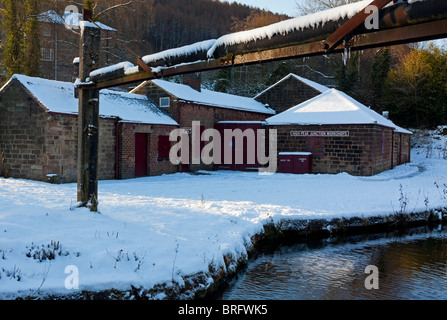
(88, 118)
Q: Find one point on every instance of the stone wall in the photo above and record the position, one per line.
(22, 133)
(154, 93)
(366, 151)
(61, 140)
(287, 94)
(36, 143)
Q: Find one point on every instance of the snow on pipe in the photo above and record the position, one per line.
(319, 26)
(301, 30)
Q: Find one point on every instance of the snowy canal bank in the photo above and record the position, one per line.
(176, 236)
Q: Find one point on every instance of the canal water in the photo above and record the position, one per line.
(410, 265)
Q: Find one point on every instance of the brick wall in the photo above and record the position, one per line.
(367, 150)
(287, 94)
(208, 117)
(401, 152)
(126, 153)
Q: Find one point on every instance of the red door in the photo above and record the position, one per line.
(140, 154)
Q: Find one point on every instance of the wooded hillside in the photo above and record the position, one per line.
(149, 26)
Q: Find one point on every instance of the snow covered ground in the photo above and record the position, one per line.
(158, 230)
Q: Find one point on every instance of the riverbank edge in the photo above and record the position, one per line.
(202, 286)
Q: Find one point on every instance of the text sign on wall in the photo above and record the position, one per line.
(319, 133)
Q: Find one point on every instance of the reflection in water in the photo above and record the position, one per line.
(410, 267)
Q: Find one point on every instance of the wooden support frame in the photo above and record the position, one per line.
(88, 119)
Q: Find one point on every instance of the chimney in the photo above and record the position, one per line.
(194, 80)
(386, 114)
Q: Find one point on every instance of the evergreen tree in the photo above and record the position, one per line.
(280, 70)
(416, 91)
(223, 80)
(379, 73)
(346, 73)
(32, 51)
(14, 39)
(89, 4)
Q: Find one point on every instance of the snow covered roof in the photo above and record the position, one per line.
(212, 98)
(331, 107)
(308, 82)
(71, 19)
(58, 97)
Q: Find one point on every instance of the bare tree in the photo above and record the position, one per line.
(311, 6)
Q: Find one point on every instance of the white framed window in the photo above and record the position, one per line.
(165, 102)
(47, 54)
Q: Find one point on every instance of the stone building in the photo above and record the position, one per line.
(59, 40)
(39, 132)
(289, 92)
(342, 135)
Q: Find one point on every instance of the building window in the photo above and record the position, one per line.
(164, 145)
(164, 102)
(46, 30)
(47, 54)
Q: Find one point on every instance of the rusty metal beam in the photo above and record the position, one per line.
(408, 34)
(347, 28)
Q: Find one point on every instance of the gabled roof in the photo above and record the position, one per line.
(211, 98)
(331, 107)
(308, 82)
(58, 97)
(70, 18)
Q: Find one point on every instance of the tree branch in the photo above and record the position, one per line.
(121, 5)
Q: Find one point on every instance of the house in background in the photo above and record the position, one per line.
(39, 132)
(60, 45)
(289, 92)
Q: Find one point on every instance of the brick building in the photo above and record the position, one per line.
(38, 132)
(188, 102)
(60, 45)
(289, 92)
(342, 135)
